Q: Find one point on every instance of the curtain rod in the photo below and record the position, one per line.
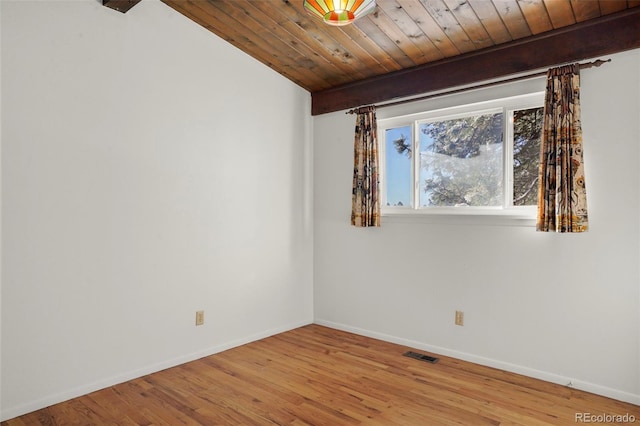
(584, 65)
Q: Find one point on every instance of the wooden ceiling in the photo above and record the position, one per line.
(416, 35)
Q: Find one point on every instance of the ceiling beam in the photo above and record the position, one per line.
(602, 36)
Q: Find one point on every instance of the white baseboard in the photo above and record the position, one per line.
(11, 412)
(513, 368)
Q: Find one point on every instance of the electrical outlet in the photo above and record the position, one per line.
(459, 318)
(199, 317)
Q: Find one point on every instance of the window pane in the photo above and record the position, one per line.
(461, 161)
(398, 166)
(527, 128)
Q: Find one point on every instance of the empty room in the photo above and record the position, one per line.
(268, 212)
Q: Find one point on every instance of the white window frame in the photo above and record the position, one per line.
(525, 214)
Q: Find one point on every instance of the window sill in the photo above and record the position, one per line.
(453, 216)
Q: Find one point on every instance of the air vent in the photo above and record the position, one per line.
(120, 5)
(421, 357)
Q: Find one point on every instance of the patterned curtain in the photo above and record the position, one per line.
(562, 198)
(365, 204)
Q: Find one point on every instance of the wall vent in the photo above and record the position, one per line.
(421, 357)
(120, 5)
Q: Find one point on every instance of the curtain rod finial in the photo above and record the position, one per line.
(595, 63)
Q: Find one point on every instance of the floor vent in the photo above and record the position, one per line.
(421, 357)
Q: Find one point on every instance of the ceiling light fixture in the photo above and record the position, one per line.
(339, 12)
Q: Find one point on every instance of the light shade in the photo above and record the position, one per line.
(339, 12)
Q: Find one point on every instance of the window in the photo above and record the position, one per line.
(477, 158)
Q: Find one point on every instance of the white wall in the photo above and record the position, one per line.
(149, 170)
(554, 306)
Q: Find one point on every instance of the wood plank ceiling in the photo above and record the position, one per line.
(399, 35)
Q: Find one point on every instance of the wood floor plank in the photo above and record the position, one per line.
(316, 375)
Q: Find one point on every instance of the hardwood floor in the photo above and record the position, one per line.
(319, 376)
